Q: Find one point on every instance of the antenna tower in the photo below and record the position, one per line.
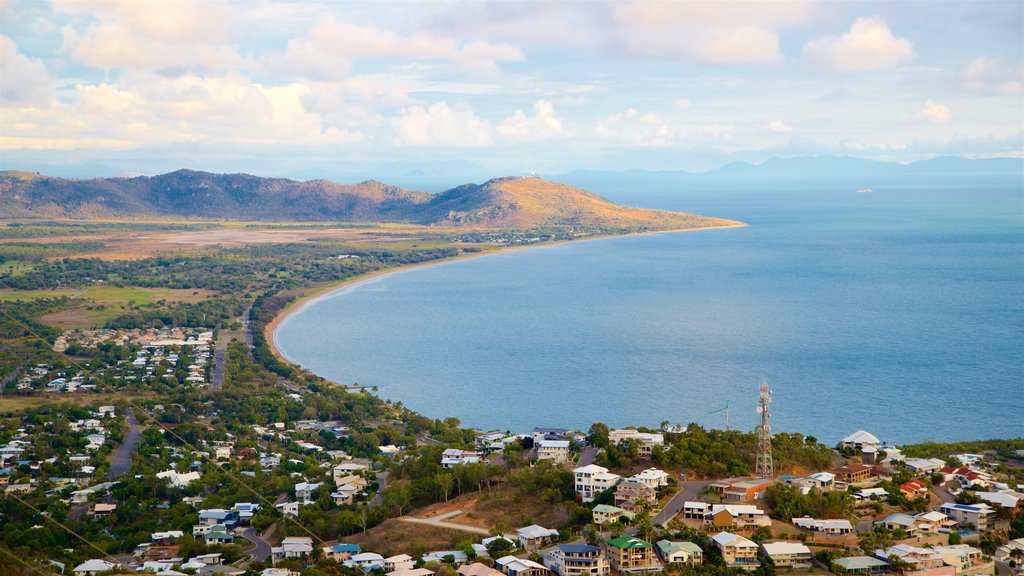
(764, 467)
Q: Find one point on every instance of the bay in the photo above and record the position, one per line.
(899, 311)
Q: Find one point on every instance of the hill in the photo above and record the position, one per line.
(527, 202)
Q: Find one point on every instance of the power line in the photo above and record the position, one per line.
(35, 569)
(179, 438)
(69, 530)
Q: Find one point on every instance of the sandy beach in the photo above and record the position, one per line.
(320, 291)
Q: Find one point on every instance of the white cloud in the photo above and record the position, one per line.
(633, 128)
(779, 126)
(935, 112)
(440, 124)
(984, 74)
(718, 130)
(646, 14)
(868, 45)
(542, 125)
(683, 104)
(23, 81)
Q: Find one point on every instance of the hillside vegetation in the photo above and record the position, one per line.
(528, 202)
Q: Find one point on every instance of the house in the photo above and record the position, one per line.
(741, 489)
(452, 457)
(165, 538)
(1007, 499)
(630, 494)
(412, 572)
(726, 515)
(341, 552)
(788, 554)
(102, 509)
(969, 515)
(292, 547)
(629, 554)
(278, 572)
(513, 566)
(1005, 551)
(897, 521)
(934, 521)
(645, 441)
(859, 440)
(652, 477)
(579, 560)
(540, 434)
(246, 510)
(288, 508)
(920, 466)
(212, 516)
(477, 569)
(344, 494)
(605, 514)
(395, 563)
(533, 536)
(914, 489)
(93, 567)
(736, 551)
(440, 556)
(854, 474)
(917, 558)
(366, 561)
(867, 495)
(862, 565)
(830, 527)
(959, 556)
(177, 480)
(218, 537)
(591, 480)
(358, 482)
(555, 450)
(680, 553)
(304, 490)
(820, 481)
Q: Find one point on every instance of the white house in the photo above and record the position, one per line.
(787, 554)
(859, 440)
(93, 567)
(555, 450)
(976, 515)
(591, 480)
(533, 536)
(651, 477)
(832, 527)
(646, 441)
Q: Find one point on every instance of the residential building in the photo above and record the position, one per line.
(854, 474)
(628, 554)
(788, 554)
(533, 537)
(1007, 499)
(540, 434)
(726, 515)
(976, 515)
(959, 556)
(452, 457)
(555, 450)
(395, 563)
(898, 521)
(741, 489)
(652, 477)
(645, 441)
(342, 551)
(630, 495)
(512, 566)
(605, 514)
(680, 553)
(916, 558)
(920, 466)
(865, 565)
(591, 480)
(830, 527)
(914, 489)
(212, 516)
(477, 569)
(820, 481)
(579, 560)
(859, 440)
(365, 561)
(93, 567)
(736, 551)
(1006, 550)
(934, 521)
(304, 490)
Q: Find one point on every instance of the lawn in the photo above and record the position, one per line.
(95, 305)
(16, 404)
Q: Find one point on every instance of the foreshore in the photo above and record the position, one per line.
(316, 292)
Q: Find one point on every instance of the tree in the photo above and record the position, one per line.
(444, 482)
(598, 435)
(500, 547)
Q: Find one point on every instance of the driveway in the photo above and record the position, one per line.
(439, 521)
(261, 549)
(122, 461)
(587, 456)
(687, 491)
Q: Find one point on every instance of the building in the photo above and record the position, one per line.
(859, 440)
(854, 474)
(741, 489)
(555, 450)
(921, 466)
(652, 477)
(214, 516)
(830, 527)
(862, 565)
(629, 554)
(452, 457)
(342, 551)
(579, 560)
(821, 481)
(365, 561)
(1005, 551)
(968, 515)
(959, 556)
(680, 553)
(592, 480)
(304, 490)
(605, 514)
(788, 554)
(934, 521)
(397, 563)
(93, 567)
(630, 495)
(645, 441)
(725, 515)
(533, 536)
(916, 558)
(914, 489)
(512, 566)
(292, 547)
(898, 521)
(736, 551)
(477, 569)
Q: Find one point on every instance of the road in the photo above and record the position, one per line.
(382, 483)
(687, 491)
(439, 521)
(943, 493)
(247, 327)
(219, 356)
(587, 456)
(261, 548)
(122, 461)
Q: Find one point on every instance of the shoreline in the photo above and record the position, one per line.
(315, 293)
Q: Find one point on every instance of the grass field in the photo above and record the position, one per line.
(18, 404)
(95, 305)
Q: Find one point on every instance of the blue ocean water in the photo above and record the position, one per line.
(900, 311)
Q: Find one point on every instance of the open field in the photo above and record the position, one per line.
(394, 537)
(17, 404)
(101, 303)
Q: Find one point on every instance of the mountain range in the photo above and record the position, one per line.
(512, 202)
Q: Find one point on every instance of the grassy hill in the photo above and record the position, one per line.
(528, 202)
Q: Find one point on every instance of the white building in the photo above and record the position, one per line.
(976, 515)
(859, 440)
(555, 450)
(591, 480)
(787, 554)
(646, 441)
(651, 477)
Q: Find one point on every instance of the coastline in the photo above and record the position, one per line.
(314, 293)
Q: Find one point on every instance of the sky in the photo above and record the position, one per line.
(312, 89)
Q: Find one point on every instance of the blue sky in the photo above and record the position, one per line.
(306, 88)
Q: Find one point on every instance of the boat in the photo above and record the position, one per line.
(865, 191)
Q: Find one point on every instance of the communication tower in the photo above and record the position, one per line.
(764, 467)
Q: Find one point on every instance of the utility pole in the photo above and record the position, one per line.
(764, 467)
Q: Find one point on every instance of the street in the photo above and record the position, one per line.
(122, 461)
(687, 491)
(261, 549)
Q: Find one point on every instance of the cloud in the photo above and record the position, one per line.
(869, 45)
(683, 104)
(440, 124)
(330, 47)
(542, 125)
(984, 74)
(23, 81)
(779, 126)
(633, 128)
(935, 112)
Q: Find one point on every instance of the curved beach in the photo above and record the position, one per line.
(319, 292)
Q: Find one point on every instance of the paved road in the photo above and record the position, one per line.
(439, 521)
(122, 462)
(587, 456)
(219, 356)
(382, 483)
(687, 491)
(261, 548)
(247, 327)
(944, 494)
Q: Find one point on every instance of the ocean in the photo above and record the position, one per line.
(899, 311)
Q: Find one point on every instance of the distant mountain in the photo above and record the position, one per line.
(501, 203)
(850, 165)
